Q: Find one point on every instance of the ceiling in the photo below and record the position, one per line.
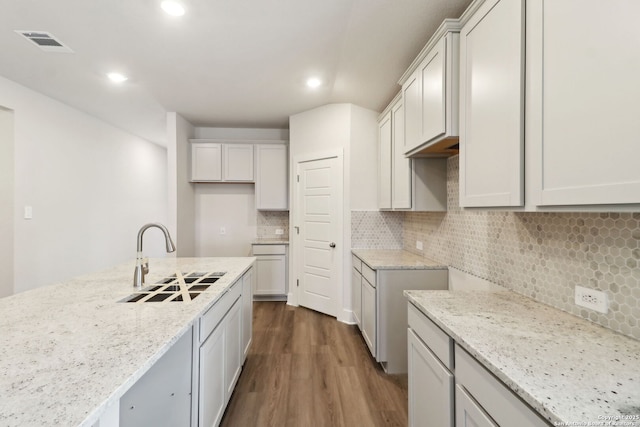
(225, 63)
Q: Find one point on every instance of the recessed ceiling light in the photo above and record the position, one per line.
(313, 82)
(172, 7)
(117, 77)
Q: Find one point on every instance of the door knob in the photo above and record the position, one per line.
(332, 245)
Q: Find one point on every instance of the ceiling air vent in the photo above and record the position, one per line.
(45, 41)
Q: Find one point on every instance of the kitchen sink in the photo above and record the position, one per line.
(175, 288)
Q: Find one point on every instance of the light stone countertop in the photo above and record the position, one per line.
(68, 351)
(396, 259)
(568, 369)
(270, 242)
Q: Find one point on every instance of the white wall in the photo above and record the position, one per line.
(231, 206)
(181, 192)
(91, 187)
(353, 130)
(6, 202)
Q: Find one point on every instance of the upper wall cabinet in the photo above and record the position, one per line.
(430, 96)
(492, 105)
(272, 165)
(403, 183)
(583, 120)
(221, 162)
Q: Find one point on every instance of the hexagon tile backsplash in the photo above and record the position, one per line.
(376, 230)
(540, 255)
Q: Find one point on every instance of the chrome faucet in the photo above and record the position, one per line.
(142, 263)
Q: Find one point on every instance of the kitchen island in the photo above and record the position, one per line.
(568, 370)
(70, 351)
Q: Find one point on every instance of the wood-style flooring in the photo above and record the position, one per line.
(308, 369)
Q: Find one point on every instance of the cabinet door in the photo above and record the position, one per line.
(162, 397)
(238, 162)
(492, 106)
(432, 74)
(232, 348)
(206, 161)
(412, 101)
(384, 162)
(271, 275)
(369, 316)
(469, 413)
(589, 102)
(212, 383)
(356, 296)
(401, 166)
(272, 165)
(247, 311)
(430, 387)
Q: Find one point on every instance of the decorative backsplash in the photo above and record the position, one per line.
(540, 255)
(376, 230)
(269, 221)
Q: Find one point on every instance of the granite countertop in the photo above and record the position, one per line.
(69, 351)
(270, 242)
(395, 259)
(568, 369)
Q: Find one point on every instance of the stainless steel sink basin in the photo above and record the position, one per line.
(175, 288)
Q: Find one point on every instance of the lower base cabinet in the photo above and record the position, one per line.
(369, 330)
(481, 400)
(430, 386)
(271, 270)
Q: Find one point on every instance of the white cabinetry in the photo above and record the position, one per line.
(418, 184)
(380, 308)
(384, 161)
(272, 166)
(430, 95)
(430, 387)
(247, 311)
(162, 397)
(369, 314)
(223, 343)
(481, 400)
(583, 120)
(570, 147)
(221, 162)
(356, 290)
(492, 105)
(271, 270)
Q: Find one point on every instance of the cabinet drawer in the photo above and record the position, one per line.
(268, 249)
(496, 399)
(214, 315)
(357, 264)
(438, 341)
(369, 274)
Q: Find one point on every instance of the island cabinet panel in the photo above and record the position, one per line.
(247, 311)
(492, 105)
(225, 337)
(162, 397)
(212, 384)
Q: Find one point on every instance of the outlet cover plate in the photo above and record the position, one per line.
(592, 299)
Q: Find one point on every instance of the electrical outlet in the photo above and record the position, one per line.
(592, 299)
(279, 231)
(223, 230)
(419, 245)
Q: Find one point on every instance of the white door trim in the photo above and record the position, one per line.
(295, 244)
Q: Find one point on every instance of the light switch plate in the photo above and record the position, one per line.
(28, 212)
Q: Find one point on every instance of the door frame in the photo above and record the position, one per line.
(295, 242)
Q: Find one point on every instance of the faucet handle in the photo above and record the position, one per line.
(145, 266)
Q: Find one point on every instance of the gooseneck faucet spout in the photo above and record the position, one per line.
(142, 263)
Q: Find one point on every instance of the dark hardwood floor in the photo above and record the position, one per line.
(308, 369)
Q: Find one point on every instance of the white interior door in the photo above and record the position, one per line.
(319, 203)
